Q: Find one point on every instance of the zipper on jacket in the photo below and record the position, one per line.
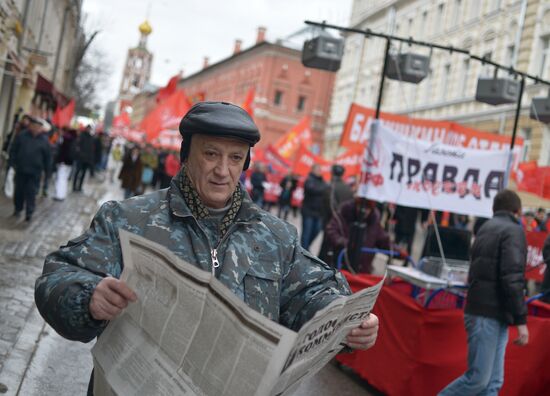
(214, 252)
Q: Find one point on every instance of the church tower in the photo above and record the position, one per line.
(137, 70)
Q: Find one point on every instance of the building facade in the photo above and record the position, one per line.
(509, 32)
(285, 90)
(39, 45)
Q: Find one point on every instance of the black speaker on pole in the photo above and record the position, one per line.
(540, 109)
(323, 52)
(408, 67)
(495, 91)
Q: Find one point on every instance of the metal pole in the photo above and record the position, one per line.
(514, 132)
(359, 226)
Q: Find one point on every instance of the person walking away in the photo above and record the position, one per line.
(495, 298)
(114, 164)
(30, 157)
(64, 162)
(149, 160)
(405, 226)
(131, 171)
(288, 186)
(257, 179)
(338, 192)
(53, 135)
(312, 206)
(85, 157)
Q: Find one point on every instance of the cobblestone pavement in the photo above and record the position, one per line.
(23, 246)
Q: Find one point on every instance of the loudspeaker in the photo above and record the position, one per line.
(323, 52)
(497, 91)
(540, 107)
(407, 67)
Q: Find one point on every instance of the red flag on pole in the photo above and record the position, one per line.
(165, 115)
(63, 116)
(248, 104)
(299, 135)
(165, 92)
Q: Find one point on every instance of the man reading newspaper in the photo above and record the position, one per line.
(206, 218)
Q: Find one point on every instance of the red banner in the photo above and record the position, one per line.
(166, 115)
(533, 179)
(305, 159)
(248, 104)
(356, 130)
(535, 264)
(167, 91)
(63, 116)
(298, 136)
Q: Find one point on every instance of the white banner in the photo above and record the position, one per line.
(431, 175)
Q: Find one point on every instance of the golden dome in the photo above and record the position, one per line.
(145, 28)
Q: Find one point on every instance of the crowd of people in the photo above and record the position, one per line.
(40, 155)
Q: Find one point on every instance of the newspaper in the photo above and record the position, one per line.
(188, 334)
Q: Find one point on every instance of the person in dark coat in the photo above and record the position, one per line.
(130, 174)
(30, 155)
(288, 186)
(312, 206)
(257, 179)
(338, 230)
(495, 298)
(405, 225)
(64, 162)
(338, 192)
(545, 287)
(84, 156)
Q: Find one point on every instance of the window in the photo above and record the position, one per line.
(525, 133)
(301, 103)
(457, 13)
(545, 57)
(487, 70)
(445, 82)
(510, 55)
(278, 100)
(424, 23)
(465, 76)
(410, 27)
(440, 21)
(474, 9)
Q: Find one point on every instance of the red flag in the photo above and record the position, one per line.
(63, 116)
(248, 103)
(305, 159)
(299, 135)
(165, 92)
(122, 120)
(165, 115)
(528, 178)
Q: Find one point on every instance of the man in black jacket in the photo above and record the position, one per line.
(30, 155)
(545, 287)
(495, 298)
(312, 206)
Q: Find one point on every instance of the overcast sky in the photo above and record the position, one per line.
(186, 31)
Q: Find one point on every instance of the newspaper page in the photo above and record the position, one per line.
(320, 339)
(189, 335)
(186, 334)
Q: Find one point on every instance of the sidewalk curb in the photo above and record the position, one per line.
(17, 363)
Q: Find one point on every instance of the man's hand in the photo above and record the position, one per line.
(110, 297)
(364, 336)
(523, 335)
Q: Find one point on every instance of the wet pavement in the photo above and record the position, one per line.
(34, 360)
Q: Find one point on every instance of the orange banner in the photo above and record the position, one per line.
(356, 130)
(248, 104)
(299, 135)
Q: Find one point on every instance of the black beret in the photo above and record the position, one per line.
(219, 119)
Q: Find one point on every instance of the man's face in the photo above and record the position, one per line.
(214, 166)
(316, 170)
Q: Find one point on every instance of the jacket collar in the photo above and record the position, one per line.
(506, 215)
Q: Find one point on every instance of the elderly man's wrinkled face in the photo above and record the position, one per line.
(214, 166)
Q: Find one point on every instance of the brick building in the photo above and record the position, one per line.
(285, 90)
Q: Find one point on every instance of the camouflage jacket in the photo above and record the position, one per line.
(263, 262)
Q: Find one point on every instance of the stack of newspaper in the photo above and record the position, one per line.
(189, 335)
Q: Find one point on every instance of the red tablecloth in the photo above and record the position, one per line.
(419, 351)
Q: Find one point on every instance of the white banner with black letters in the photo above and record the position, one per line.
(431, 175)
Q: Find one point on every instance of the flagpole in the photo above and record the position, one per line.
(514, 131)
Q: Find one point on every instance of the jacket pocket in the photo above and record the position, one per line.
(262, 292)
